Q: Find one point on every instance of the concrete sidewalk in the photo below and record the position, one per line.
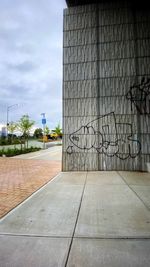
(84, 219)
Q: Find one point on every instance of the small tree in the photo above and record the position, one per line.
(46, 130)
(58, 130)
(38, 133)
(24, 126)
(11, 127)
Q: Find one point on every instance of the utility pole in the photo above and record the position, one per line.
(8, 109)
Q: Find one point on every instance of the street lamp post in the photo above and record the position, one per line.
(8, 109)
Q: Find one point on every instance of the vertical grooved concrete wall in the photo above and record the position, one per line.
(106, 87)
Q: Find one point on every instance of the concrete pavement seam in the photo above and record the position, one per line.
(147, 207)
(34, 235)
(112, 237)
(78, 237)
(70, 246)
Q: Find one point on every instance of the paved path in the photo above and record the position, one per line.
(19, 178)
(84, 219)
(52, 153)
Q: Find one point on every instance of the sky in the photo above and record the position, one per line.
(31, 36)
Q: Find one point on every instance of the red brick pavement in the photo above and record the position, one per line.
(19, 178)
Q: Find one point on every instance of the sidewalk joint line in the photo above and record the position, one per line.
(70, 246)
(78, 237)
(114, 238)
(134, 191)
(33, 235)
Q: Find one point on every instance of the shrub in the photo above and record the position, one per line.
(10, 152)
(4, 141)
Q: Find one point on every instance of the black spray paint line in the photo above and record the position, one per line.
(102, 140)
(139, 95)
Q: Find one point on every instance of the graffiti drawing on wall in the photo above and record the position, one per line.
(139, 95)
(106, 136)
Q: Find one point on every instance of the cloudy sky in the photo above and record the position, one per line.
(31, 59)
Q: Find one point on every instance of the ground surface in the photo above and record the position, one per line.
(22, 175)
(35, 143)
(81, 219)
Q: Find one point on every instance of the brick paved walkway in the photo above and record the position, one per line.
(19, 178)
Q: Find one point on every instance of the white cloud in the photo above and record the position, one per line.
(31, 58)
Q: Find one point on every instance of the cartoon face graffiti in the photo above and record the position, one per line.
(106, 136)
(84, 138)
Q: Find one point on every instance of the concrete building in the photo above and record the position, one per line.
(106, 85)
